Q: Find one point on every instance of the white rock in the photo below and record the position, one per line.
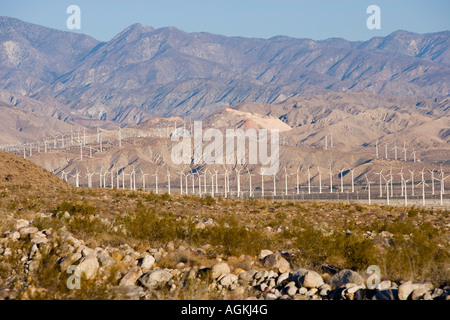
(264, 253)
(146, 262)
(228, 280)
(131, 277)
(155, 278)
(88, 266)
(218, 269)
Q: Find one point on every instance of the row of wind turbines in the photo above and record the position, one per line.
(216, 182)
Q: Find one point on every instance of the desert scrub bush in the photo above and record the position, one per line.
(315, 248)
(75, 208)
(234, 238)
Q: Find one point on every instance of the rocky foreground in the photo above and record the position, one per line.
(27, 254)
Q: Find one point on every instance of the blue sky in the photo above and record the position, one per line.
(319, 19)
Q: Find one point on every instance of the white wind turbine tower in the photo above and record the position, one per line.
(320, 179)
(395, 150)
(156, 181)
(381, 183)
(100, 177)
(353, 179)
(432, 180)
(238, 174)
(423, 186)
(132, 179)
(123, 179)
(168, 180)
(387, 190)
(298, 182)
(77, 178)
(342, 179)
(442, 181)
(386, 150)
(118, 179)
(212, 186)
(112, 177)
(186, 186)
(368, 187)
(89, 175)
(193, 182)
(414, 155)
(402, 180)
(391, 180)
(412, 181)
(274, 185)
(205, 182)
(441, 192)
(143, 178)
(216, 175)
(404, 150)
(250, 184)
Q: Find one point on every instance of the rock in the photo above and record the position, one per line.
(384, 285)
(155, 279)
(345, 276)
(275, 260)
(105, 260)
(21, 223)
(437, 293)
(228, 280)
(218, 269)
(291, 290)
(418, 293)
(88, 266)
(310, 279)
(146, 263)
(283, 279)
(14, 235)
(246, 277)
(25, 231)
(131, 277)
(302, 290)
(128, 292)
(311, 292)
(406, 288)
(264, 253)
(387, 294)
(270, 296)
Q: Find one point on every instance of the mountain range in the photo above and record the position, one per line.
(145, 72)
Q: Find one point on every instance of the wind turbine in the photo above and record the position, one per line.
(100, 177)
(262, 183)
(250, 186)
(381, 184)
(89, 175)
(186, 183)
(168, 180)
(402, 180)
(238, 182)
(320, 179)
(432, 180)
(368, 187)
(132, 177)
(156, 181)
(298, 182)
(391, 180)
(274, 185)
(353, 179)
(387, 190)
(77, 178)
(143, 178)
(309, 181)
(442, 188)
(112, 177)
(342, 179)
(395, 150)
(386, 149)
(442, 180)
(414, 155)
(423, 186)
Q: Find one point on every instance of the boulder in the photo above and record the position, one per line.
(106, 260)
(25, 231)
(130, 278)
(228, 280)
(310, 279)
(275, 260)
(219, 269)
(155, 279)
(146, 262)
(406, 288)
(345, 276)
(88, 266)
(264, 253)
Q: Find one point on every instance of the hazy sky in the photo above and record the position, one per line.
(318, 19)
